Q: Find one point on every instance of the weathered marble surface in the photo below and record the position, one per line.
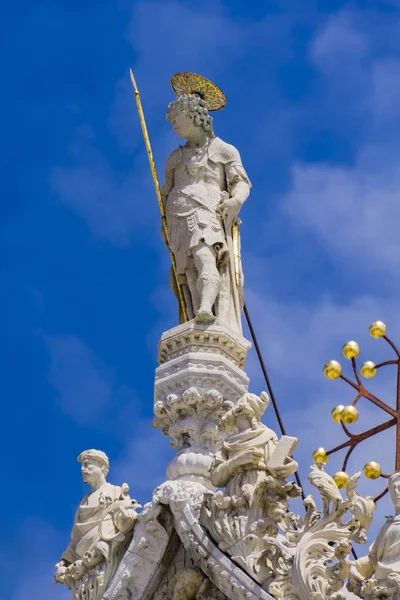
(255, 501)
(377, 575)
(175, 507)
(102, 530)
(204, 189)
(198, 381)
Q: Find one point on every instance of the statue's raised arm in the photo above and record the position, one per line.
(204, 189)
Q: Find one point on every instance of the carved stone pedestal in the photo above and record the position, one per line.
(200, 377)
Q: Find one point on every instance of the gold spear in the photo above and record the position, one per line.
(159, 196)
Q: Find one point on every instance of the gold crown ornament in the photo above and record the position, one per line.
(190, 83)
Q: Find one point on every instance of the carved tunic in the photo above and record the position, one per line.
(194, 181)
(85, 532)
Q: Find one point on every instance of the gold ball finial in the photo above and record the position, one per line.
(332, 369)
(320, 455)
(341, 479)
(336, 412)
(368, 369)
(377, 329)
(349, 414)
(351, 350)
(372, 470)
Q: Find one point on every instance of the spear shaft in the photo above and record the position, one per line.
(181, 297)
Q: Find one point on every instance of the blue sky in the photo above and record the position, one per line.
(313, 93)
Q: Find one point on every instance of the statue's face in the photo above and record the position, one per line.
(394, 489)
(243, 422)
(91, 471)
(182, 124)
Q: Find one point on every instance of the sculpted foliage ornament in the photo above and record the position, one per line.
(190, 419)
(311, 561)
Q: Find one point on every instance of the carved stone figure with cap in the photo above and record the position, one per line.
(377, 575)
(204, 189)
(104, 516)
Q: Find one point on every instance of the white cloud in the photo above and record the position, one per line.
(353, 211)
(385, 89)
(110, 200)
(144, 460)
(84, 383)
(339, 41)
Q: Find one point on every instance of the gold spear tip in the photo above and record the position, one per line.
(133, 81)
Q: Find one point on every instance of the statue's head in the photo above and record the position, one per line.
(187, 113)
(95, 465)
(246, 413)
(394, 489)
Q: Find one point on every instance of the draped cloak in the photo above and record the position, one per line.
(262, 438)
(85, 532)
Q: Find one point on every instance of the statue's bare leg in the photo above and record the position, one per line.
(191, 279)
(208, 281)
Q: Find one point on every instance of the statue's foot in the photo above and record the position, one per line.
(204, 316)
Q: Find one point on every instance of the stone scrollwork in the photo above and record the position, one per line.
(311, 562)
(101, 533)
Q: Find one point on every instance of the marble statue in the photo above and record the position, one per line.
(243, 459)
(204, 189)
(377, 575)
(102, 526)
(252, 466)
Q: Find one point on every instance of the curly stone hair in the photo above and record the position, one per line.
(195, 107)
